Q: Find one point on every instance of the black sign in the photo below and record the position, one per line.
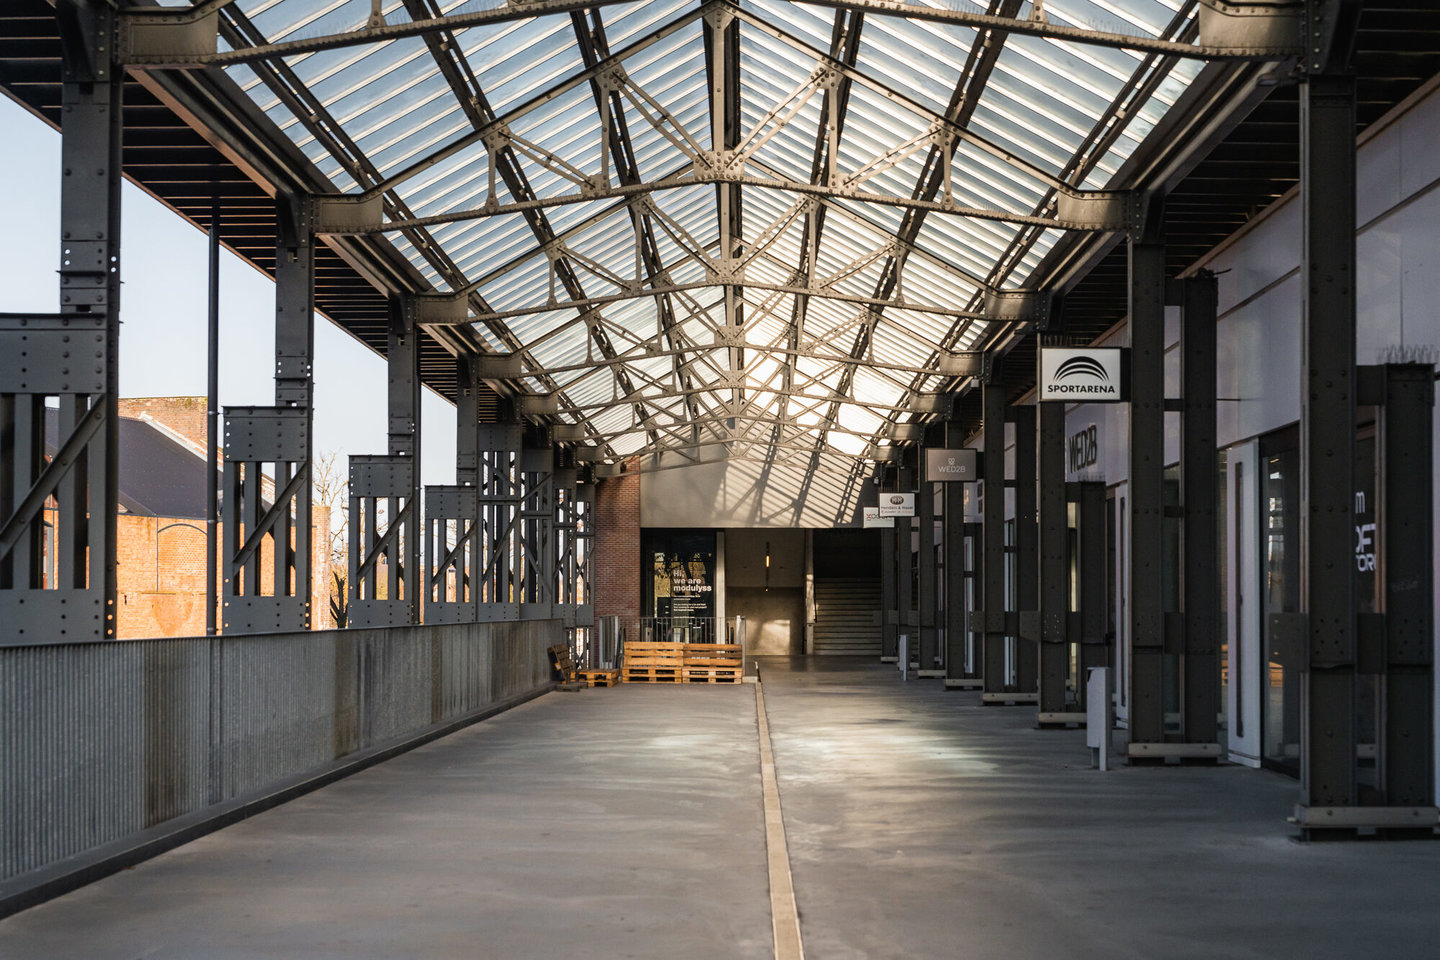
(951, 466)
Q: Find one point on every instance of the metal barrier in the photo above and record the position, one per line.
(102, 740)
(679, 630)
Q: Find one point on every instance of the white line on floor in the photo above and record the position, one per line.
(785, 916)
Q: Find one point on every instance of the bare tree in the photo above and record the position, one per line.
(332, 488)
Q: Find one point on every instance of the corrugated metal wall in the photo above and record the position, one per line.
(101, 740)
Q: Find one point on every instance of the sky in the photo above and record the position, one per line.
(163, 310)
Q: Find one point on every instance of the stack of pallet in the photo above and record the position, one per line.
(647, 662)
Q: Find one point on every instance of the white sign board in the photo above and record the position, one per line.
(897, 504)
(951, 466)
(1081, 374)
(872, 518)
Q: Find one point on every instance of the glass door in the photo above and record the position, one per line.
(1280, 588)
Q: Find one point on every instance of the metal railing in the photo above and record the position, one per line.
(680, 630)
(101, 740)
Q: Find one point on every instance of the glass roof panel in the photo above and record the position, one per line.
(364, 109)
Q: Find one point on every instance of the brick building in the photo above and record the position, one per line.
(160, 531)
(617, 549)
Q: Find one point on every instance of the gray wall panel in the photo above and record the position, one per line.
(100, 740)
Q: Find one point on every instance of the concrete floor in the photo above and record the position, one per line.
(628, 823)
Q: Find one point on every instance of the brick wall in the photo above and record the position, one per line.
(160, 575)
(617, 551)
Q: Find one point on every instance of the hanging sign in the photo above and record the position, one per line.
(951, 466)
(872, 518)
(897, 504)
(1082, 374)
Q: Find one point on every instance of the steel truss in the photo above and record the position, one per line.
(738, 263)
(734, 264)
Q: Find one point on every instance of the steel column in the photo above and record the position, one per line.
(536, 557)
(212, 413)
(1327, 441)
(403, 367)
(889, 604)
(992, 602)
(929, 645)
(1027, 561)
(452, 556)
(384, 557)
(955, 535)
(1054, 586)
(905, 570)
(1408, 573)
(1199, 491)
(268, 454)
(1146, 488)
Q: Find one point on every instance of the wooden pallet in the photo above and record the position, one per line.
(713, 654)
(713, 663)
(652, 675)
(645, 654)
(573, 678)
(713, 675)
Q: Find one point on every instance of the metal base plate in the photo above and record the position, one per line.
(889, 659)
(1183, 751)
(930, 673)
(1351, 818)
(1046, 718)
(1016, 698)
(963, 684)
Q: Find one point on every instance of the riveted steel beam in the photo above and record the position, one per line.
(1146, 488)
(1328, 774)
(1199, 492)
(1224, 36)
(992, 604)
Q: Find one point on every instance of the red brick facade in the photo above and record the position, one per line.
(160, 575)
(616, 561)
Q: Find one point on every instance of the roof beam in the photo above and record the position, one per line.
(1230, 40)
(585, 303)
(1087, 210)
(958, 364)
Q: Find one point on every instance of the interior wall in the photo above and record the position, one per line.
(774, 616)
(747, 494)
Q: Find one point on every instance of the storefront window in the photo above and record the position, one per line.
(1280, 560)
